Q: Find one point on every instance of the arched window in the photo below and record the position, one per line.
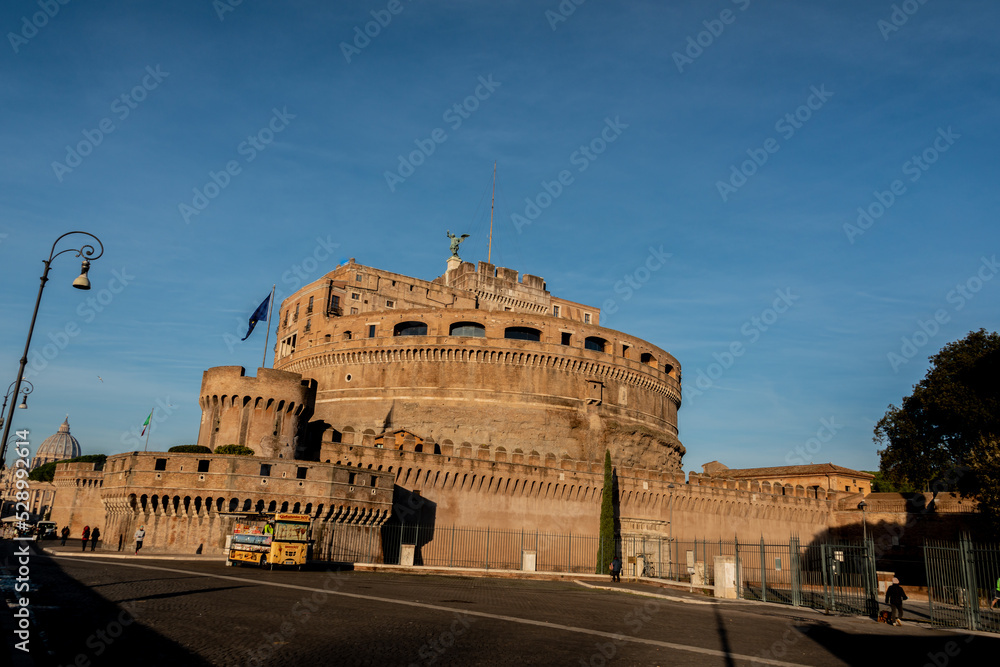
(410, 329)
(467, 329)
(647, 358)
(522, 333)
(595, 343)
(668, 369)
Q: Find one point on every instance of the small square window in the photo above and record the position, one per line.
(555, 311)
(161, 464)
(566, 338)
(371, 330)
(374, 481)
(586, 318)
(300, 473)
(265, 469)
(357, 278)
(203, 465)
(354, 311)
(355, 296)
(350, 477)
(390, 304)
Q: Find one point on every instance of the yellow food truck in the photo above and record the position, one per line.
(267, 540)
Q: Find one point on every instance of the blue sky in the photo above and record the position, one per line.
(739, 137)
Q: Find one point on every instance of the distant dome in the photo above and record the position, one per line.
(57, 447)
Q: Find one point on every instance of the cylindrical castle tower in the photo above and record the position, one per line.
(264, 413)
(479, 358)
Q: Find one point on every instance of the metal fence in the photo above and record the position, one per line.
(491, 549)
(832, 577)
(962, 581)
(835, 577)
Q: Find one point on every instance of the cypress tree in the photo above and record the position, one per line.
(606, 541)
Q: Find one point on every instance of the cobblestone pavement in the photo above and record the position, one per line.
(94, 611)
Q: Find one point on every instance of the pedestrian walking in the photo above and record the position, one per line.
(616, 569)
(140, 535)
(86, 537)
(894, 596)
(94, 536)
(65, 535)
(121, 541)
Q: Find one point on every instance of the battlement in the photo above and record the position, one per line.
(490, 469)
(263, 412)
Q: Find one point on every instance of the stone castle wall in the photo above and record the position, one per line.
(481, 355)
(556, 399)
(504, 490)
(78, 499)
(264, 413)
(185, 501)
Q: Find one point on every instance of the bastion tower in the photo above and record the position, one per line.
(479, 361)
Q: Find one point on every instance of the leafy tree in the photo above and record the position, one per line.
(240, 450)
(945, 434)
(46, 473)
(606, 540)
(190, 449)
(882, 485)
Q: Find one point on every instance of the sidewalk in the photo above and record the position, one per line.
(53, 548)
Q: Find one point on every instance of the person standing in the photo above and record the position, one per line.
(894, 596)
(94, 536)
(86, 537)
(996, 595)
(616, 569)
(140, 535)
(65, 535)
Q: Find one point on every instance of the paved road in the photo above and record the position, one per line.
(104, 611)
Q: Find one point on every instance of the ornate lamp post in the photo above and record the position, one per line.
(24, 400)
(88, 252)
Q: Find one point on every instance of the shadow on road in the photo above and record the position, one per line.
(75, 625)
(939, 648)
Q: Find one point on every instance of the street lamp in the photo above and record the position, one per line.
(864, 522)
(88, 252)
(24, 398)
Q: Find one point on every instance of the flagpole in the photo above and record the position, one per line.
(148, 431)
(270, 307)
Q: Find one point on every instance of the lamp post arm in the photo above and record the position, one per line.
(87, 251)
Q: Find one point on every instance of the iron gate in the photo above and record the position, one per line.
(850, 585)
(961, 584)
(836, 577)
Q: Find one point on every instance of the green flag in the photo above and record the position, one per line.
(146, 423)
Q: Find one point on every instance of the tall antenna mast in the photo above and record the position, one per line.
(489, 252)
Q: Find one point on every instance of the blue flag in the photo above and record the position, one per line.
(258, 315)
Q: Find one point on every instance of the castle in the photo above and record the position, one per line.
(476, 399)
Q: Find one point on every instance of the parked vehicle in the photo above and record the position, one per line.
(45, 530)
(267, 540)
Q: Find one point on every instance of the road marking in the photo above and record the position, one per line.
(481, 614)
(672, 598)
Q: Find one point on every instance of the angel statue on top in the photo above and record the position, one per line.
(455, 242)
